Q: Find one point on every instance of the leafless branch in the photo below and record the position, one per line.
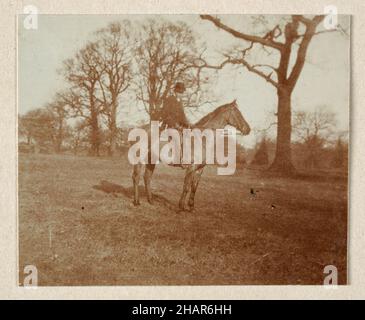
(251, 38)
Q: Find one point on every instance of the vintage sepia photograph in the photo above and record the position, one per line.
(183, 149)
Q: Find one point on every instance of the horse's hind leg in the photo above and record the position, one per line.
(135, 177)
(194, 186)
(147, 180)
(187, 186)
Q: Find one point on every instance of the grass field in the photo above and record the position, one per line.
(78, 226)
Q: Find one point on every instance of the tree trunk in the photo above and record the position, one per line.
(113, 128)
(58, 146)
(283, 161)
(113, 144)
(59, 137)
(94, 124)
(113, 136)
(95, 141)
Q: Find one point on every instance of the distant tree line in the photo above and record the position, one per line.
(317, 142)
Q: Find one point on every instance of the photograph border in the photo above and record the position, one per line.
(9, 205)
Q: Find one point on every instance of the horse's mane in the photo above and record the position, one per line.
(210, 115)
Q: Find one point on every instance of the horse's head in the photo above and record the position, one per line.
(236, 119)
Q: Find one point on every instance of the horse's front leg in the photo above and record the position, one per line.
(147, 180)
(187, 186)
(194, 186)
(135, 177)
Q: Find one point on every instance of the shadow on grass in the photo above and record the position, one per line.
(113, 188)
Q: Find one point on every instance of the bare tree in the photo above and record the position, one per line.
(261, 156)
(340, 153)
(37, 126)
(59, 113)
(83, 74)
(313, 129)
(77, 137)
(115, 50)
(291, 41)
(167, 54)
(25, 129)
(319, 123)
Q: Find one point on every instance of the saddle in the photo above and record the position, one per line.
(180, 129)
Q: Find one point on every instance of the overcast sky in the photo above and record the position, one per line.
(324, 80)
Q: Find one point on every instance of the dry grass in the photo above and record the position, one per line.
(78, 225)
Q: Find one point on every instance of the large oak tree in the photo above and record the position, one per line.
(291, 42)
(82, 73)
(115, 48)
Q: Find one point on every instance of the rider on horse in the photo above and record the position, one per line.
(173, 115)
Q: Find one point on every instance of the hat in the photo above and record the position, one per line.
(179, 87)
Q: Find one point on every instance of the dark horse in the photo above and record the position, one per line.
(227, 114)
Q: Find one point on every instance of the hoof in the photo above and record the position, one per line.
(185, 209)
(136, 203)
(150, 201)
(190, 207)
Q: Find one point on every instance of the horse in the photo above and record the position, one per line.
(227, 114)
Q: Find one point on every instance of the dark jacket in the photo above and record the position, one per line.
(173, 113)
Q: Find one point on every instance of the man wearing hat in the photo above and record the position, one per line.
(173, 115)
